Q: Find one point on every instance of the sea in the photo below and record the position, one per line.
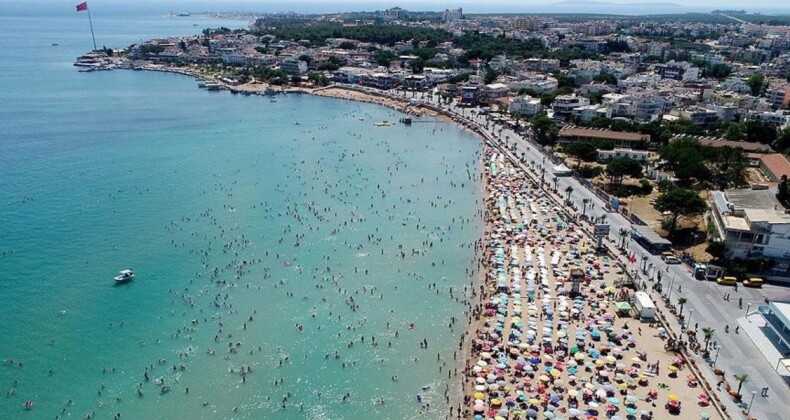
(291, 258)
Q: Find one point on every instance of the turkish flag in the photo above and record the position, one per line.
(82, 6)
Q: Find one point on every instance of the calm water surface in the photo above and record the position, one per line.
(323, 232)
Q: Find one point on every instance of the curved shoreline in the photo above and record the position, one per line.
(400, 104)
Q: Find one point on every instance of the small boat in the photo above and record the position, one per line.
(384, 123)
(201, 84)
(124, 275)
(212, 86)
(54, 44)
(296, 122)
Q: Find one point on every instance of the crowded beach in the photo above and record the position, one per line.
(548, 338)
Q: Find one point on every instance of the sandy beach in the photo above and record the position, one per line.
(546, 346)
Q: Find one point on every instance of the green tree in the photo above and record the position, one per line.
(782, 142)
(707, 332)
(730, 166)
(490, 76)
(686, 158)
(718, 250)
(742, 379)
(759, 131)
(735, 132)
(665, 185)
(783, 191)
(568, 192)
(682, 301)
(585, 201)
(605, 77)
(583, 151)
(545, 129)
(680, 202)
(756, 83)
(619, 168)
(546, 99)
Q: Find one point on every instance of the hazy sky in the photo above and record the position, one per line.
(470, 6)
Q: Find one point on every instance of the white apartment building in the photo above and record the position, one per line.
(526, 106)
(637, 155)
(752, 223)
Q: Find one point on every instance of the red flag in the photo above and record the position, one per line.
(82, 6)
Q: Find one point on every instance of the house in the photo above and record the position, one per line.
(638, 155)
(470, 96)
(294, 66)
(749, 147)
(564, 105)
(526, 106)
(493, 91)
(752, 223)
(774, 166)
(570, 134)
(678, 71)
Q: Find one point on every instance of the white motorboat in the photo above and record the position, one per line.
(124, 275)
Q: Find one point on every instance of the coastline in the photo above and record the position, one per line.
(479, 281)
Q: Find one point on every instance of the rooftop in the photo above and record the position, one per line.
(602, 134)
(777, 164)
(719, 142)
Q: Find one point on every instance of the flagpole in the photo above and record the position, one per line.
(90, 21)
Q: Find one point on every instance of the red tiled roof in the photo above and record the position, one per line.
(777, 164)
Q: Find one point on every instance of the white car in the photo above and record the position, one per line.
(672, 260)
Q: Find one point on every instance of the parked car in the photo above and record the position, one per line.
(672, 260)
(727, 281)
(753, 282)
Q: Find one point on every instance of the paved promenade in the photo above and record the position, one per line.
(738, 353)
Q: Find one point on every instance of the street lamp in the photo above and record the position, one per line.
(672, 282)
(754, 393)
(717, 356)
(748, 305)
(688, 322)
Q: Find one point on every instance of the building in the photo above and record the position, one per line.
(588, 113)
(778, 96)
(526, 24)
(383, 81)
(294, 66)
(752, 223)
(777, 325)
(525, 106)
(678, 71)
(638, 155)
(450, 15)
(749, 147)
(470, 96)
(774, 166)
(493, 91)
(415, 81)
(395, 13)
(570, 134)
(564, 105)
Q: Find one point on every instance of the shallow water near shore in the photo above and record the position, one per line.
(227, 209)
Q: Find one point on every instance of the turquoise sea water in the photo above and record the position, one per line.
(226, 209)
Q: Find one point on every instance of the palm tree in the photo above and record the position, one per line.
(681, 302)
(741, 378)
(584, 206)
(569, 190)
(555, 180)
(623, 234)
(708, 333)
(603, 219)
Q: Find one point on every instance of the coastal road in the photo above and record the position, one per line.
(738, 353)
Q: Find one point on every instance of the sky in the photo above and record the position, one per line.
(470, 6)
